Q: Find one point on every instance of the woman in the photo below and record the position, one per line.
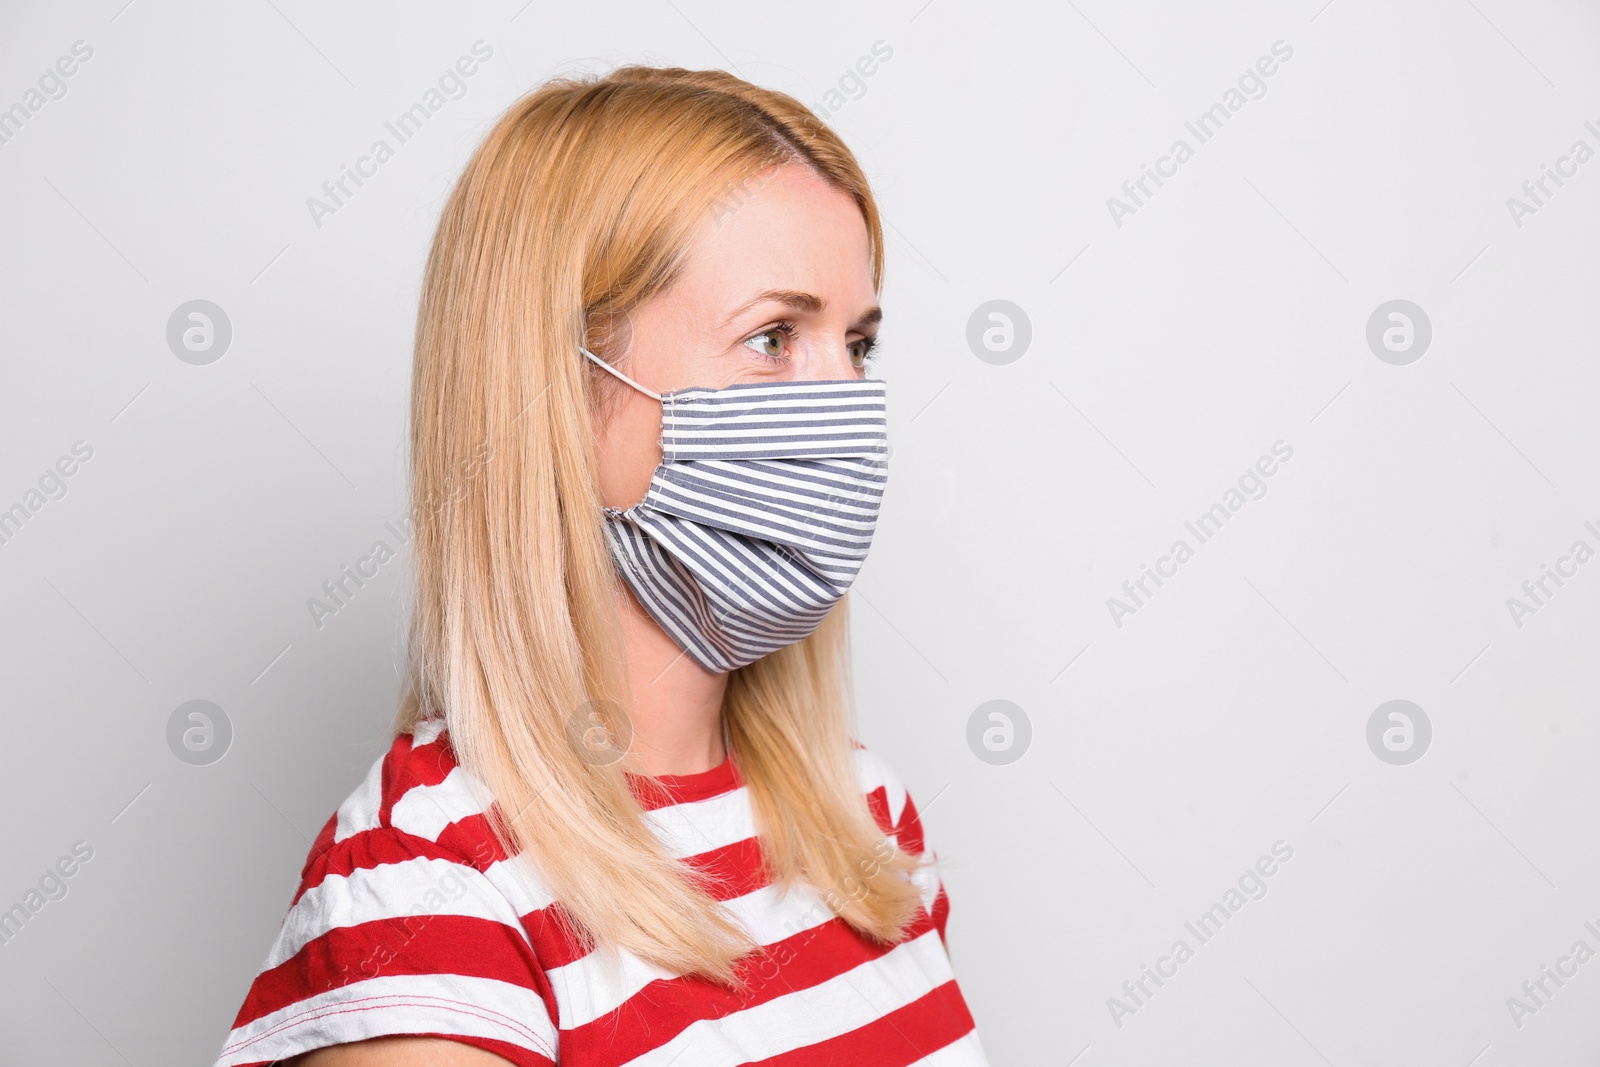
(623, 819)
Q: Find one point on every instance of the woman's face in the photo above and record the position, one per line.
(777, 287)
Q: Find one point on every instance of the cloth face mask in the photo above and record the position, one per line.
(759, 515)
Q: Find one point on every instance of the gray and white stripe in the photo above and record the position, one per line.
(760, 514)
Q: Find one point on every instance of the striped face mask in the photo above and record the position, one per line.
(759, 515)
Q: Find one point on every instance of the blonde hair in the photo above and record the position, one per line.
(578, 206)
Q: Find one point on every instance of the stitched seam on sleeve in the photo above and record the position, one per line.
(396, 1001)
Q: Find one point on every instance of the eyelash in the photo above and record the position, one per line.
(789, 329)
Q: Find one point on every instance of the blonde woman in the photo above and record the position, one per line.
(624, 819)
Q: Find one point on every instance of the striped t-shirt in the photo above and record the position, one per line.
(409, 921)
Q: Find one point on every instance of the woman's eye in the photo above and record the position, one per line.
(861, 351)
(773, 343)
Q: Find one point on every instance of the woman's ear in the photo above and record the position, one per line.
(608, 333)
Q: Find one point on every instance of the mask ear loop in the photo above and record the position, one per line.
(608, 367)
(666, 401)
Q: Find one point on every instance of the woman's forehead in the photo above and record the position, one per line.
(790, 231)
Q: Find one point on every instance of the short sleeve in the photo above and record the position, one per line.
(896, 813)
(392, 934)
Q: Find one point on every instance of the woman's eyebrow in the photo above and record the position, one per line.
(800, 301)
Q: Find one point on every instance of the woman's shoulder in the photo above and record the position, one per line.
(408, 920)
(891, 803)
(415, 796)
(897, 814)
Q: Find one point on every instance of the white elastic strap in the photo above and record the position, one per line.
(619, 374)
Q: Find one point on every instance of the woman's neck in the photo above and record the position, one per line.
(675, 705)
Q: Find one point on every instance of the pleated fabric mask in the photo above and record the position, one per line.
(759, 515)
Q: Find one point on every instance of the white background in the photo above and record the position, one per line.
(1168, 353)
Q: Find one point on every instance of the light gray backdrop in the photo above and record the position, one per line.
(1358, 257)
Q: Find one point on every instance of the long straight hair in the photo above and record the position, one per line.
(579, 205)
